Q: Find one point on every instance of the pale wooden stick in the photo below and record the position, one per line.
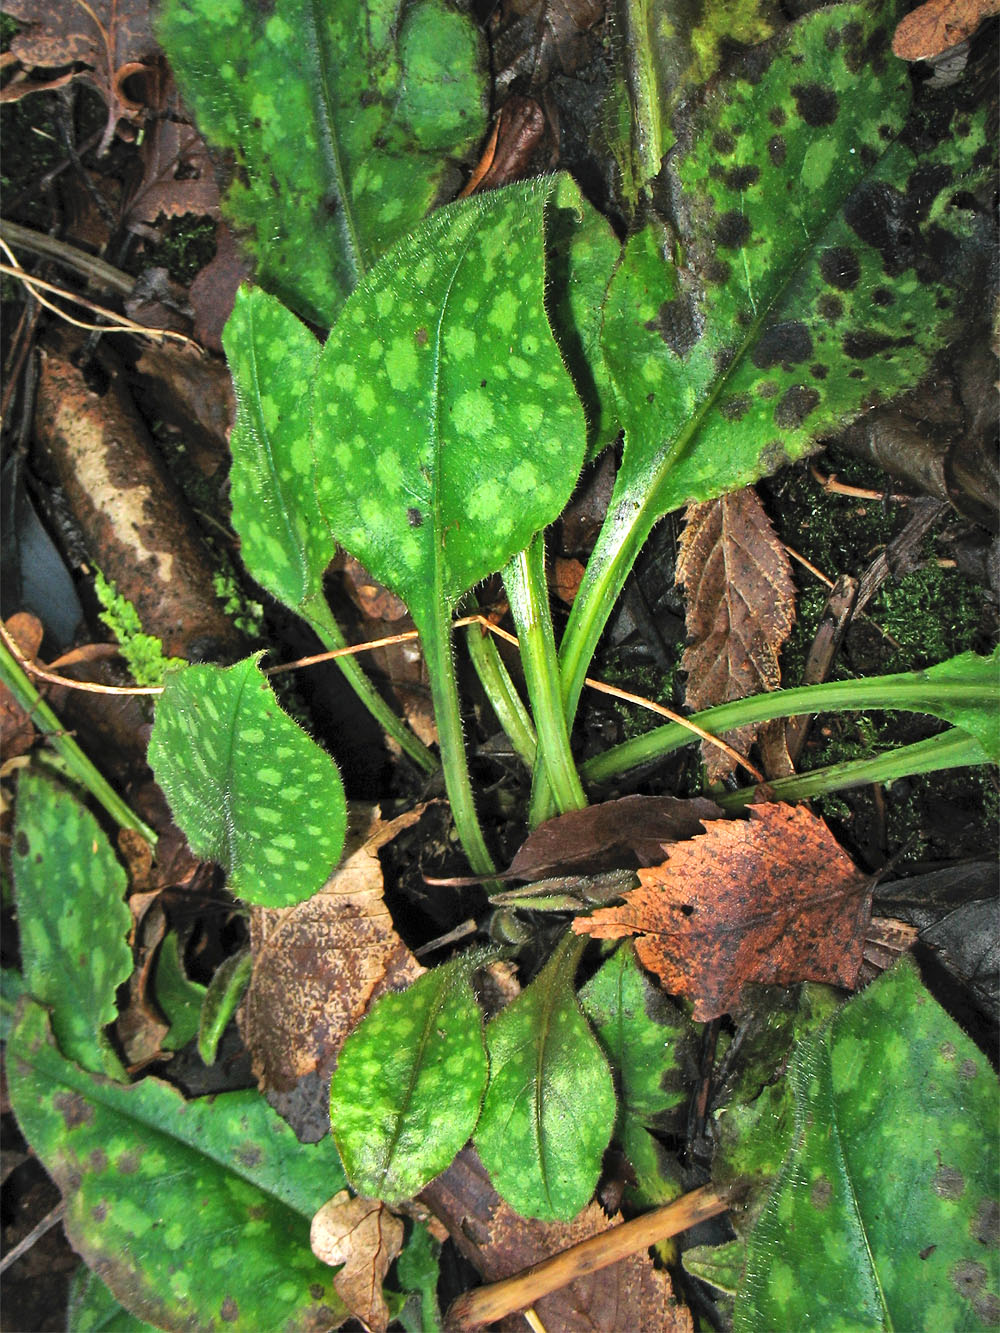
(485, 1305)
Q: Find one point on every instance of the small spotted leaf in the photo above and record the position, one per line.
(446, 427)
(283, 540)
(345, 120)
(246, 784)
(816, 251)
(650, 1045)
(550, 1105)
(408, 1085)
(196, 1214)
(72, 917)
(884, 1213)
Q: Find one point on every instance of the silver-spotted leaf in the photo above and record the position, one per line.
(884, 1213)
(196, 1214)
(446, 427)
(283, 540)
(649, 1043)
(815, 249)
(408, 1085)
(550, 1105)
(72, 917)
(343, 118)
(246, 785)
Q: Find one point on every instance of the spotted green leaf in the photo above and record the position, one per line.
(884, 1213)
(649, 1044)
(195, 1214)
(345, 119)
(446, 428)
(815, 254)
(408, 1085)
(72, 917)
(246, 784)
(550, 1104)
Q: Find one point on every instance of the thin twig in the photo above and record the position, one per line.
(836, 487)
(34, 1235)
(487, 1304)
(96, 270)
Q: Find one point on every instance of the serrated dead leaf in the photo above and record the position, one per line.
(740, 609)
(939, 25)
(773, 900)
(365, 1237)
(318, 965)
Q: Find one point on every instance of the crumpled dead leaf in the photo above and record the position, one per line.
(740, 609)
(365, 1237)
(773, 900)
(630, 1294)
(318, 965)
(939, 25)
(112, 39)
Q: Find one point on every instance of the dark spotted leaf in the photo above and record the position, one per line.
(885, 1207)
(148, 1178)
(72, 918)
(814, 258)
(408, 1085)
(550, 1105)
(343, 118)
(246, 784)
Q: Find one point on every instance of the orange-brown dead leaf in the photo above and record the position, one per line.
(365, 1237)
(318, 965)
(939, 25)
(740, 609)
(771, 900)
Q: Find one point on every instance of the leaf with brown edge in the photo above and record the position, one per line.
(774, 900)
(938, 25)
(364, 1236)
(319, 964)
(740, 609)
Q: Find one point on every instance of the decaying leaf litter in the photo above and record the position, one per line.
(536, 57)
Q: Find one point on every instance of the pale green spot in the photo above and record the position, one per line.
(473, 413)
(502, 313)
(270, 777)
(401, 364)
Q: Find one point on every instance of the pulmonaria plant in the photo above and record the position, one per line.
(476, 358)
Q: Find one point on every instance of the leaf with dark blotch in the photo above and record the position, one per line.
(774, 900)
(343, 118)
(626, 833)
(740, 608)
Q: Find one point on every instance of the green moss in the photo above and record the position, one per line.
(143, 652)
(246, 614)
(186, 245)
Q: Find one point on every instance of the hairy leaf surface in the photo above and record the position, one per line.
(242, 1190)
(884, 1214)
(408, 1085)
(550, 1104)
(246, 784)
(72, 917)
(342, 117)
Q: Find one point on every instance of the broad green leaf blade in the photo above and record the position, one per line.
(245, 783)
(343, 118)
(649, 1043)
(550, 1105)
(408, 1085)
(883, 1214)
(283, 540)
(446, 428)
(72, 917)
(92, 1308)
(177, 995)
(794, 307)
(965, 690)
(195, 1214)
(581, 251)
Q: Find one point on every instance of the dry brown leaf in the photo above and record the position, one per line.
(630, 1294)
(365, 1237)
(17, 731)
(939, 25)
(112, 39)
(565, 578)
(740, 609)
(318, 965)
(623, 834)
(773, 900)
(177, 175)
(213, 291)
